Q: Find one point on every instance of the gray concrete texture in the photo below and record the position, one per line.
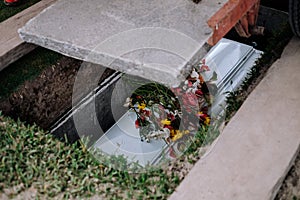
(252, 156)
(156, 39)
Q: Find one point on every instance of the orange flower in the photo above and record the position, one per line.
(201, 79)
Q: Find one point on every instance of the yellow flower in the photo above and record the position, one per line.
(177, 136)
(142, 106)
(166, 122)
(172, 133)
(207, 121)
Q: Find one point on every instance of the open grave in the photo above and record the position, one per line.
(106, 98)
(155, 43)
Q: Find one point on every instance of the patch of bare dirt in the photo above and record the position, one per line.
(14, 193)
(43, 100)
(290, 189)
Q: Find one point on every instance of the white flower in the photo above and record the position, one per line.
(194, 74)
(166, 133)
(195, 85)
(180, 114)
(127, 102)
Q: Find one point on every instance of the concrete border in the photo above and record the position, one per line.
(257, 148)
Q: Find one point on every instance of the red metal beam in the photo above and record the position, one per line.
(239, 13)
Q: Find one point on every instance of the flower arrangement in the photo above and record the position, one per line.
(173, 113)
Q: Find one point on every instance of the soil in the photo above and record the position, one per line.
(43, 100)
(290, 189)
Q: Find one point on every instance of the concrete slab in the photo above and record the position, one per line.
(256, 149)
(11, 45)
(153, 39)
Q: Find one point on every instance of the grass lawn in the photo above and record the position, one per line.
(30, 158)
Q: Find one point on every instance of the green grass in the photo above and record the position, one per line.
(32, 158)
(26, 68)
(7, 11)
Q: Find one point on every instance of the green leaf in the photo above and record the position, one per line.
(214, 77)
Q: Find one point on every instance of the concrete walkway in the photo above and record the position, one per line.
(258, 146)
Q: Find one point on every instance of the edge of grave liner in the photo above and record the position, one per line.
(105, 118)
(104, 104)
(276, 19)
(65, 126)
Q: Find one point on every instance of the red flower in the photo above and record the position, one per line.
(190, 99)
(168, 126)
(202, 115)
(171, 116)
(199, 93)
(146, 112)
(137, 124)
(204, 67)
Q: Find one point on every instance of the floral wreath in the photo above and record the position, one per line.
(160, 114)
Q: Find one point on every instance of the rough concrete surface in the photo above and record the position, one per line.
(125, 35)
(258, 146)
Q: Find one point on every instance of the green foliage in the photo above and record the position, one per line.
(32, 158)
